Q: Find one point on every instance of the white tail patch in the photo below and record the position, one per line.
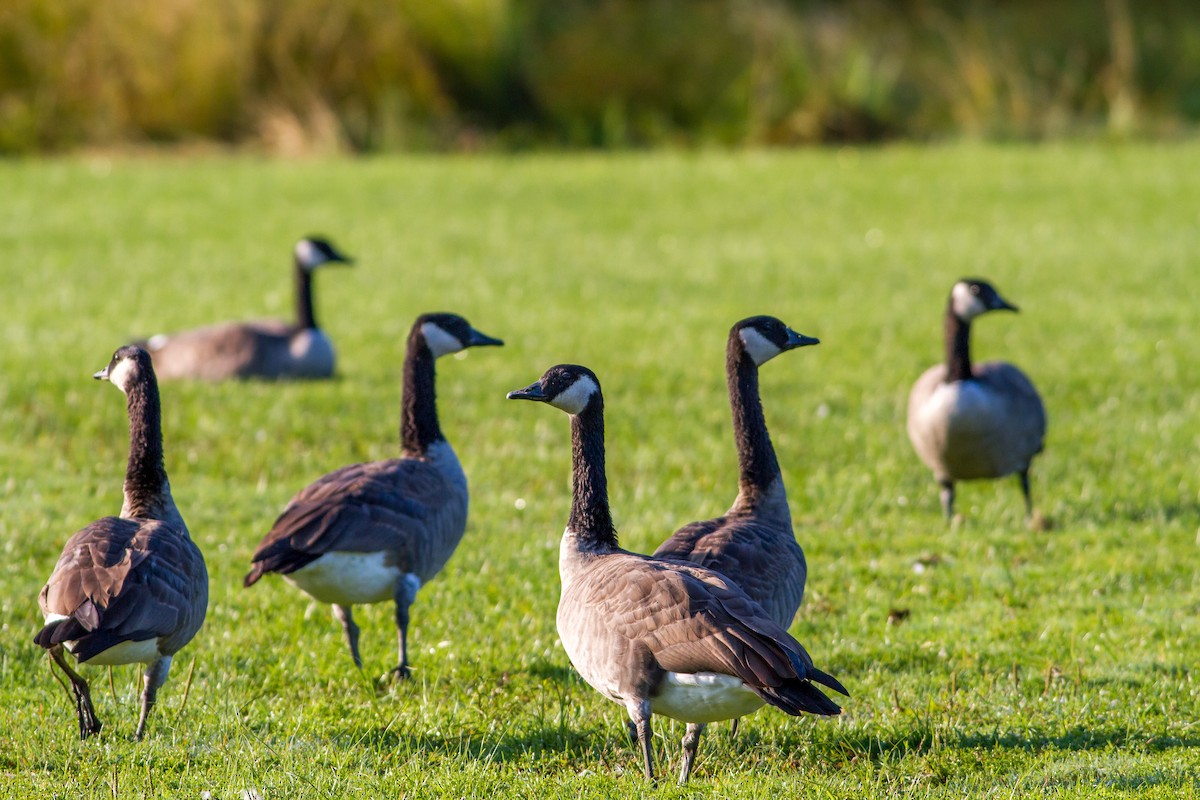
(348, 579)
(143, 652)
(439, 341)
(704, 697)
(575, 397)
(758, 347)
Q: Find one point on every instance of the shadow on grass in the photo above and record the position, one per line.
(925, 740)
(1076, 739)
(548, 744)
(1127, 783)
(1122, 512)
(550, 670)
(1122, 777)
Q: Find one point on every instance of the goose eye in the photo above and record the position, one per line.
(974, 288)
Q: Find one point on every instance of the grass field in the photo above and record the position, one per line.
(1055, 663)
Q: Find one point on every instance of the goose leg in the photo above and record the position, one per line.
(88, 723)
(639, 716)
(1024, 478)
(947, 495)
(403, 599)
(733, 727)
(156, 676)
(691, 742)
(343, 615)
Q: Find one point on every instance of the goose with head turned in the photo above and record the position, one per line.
(378, 531)
(752, 543)
(969, 421)
(132, 588)
(264, 349)
(660, 636)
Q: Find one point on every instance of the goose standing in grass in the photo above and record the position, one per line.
(128, 589)
(975, 421)
(263, 349)
(658, 636)
(378, 531)
(752, 543)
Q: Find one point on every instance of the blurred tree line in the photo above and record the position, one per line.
(296, 76)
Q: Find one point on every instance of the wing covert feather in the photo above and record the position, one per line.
(375, 506)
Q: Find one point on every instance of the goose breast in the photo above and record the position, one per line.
(986, 427)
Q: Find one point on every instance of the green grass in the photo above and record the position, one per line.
(1031, 663)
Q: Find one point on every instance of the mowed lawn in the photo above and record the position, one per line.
(983, 659)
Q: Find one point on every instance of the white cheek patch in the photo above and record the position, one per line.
(121, 374)
(440, 343)
(576, 397)
(967, 306)
(760, 348)
(307, 254)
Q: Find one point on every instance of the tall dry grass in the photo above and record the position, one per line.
(370, 75)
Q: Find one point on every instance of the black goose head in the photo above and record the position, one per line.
(314, 251)
(129, 365)
(449, 333)
(971, 297)
(567, 387)
(762, 338)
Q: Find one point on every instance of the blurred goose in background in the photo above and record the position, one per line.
(263, 349)
(659, 636)
(378, 531)
(753, 542)
(128, 589)
(975, 421)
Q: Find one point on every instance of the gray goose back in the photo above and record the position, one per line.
(657, 635)
(266, 349)
(378, 531)
(753, 543)
(133, 588)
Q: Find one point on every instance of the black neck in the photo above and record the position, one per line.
(958, 346)
(756, 456)
(145, 475)
(418, 406)
(304, 301)
(590, 520)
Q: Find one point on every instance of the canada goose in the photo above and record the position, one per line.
(262, 349)
(128, 589)
(378, 531)
(752, 544)
(654, 635)
(983, 421)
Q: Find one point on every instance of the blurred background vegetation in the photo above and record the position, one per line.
(319, 76)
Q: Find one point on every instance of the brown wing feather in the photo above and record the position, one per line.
(762, 558)
(376, 506)
(224, 350)
(691, 620)
(125, 580)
